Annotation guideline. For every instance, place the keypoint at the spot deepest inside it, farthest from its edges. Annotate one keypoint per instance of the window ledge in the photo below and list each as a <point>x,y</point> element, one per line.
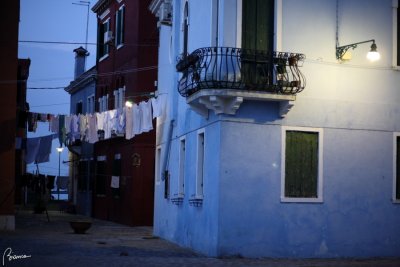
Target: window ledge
<point>120,46</point>
<point>396,201</point>
<point>301,200</point>
<point>103,57</point>
<point>196,201</point>
<point>177,199</point>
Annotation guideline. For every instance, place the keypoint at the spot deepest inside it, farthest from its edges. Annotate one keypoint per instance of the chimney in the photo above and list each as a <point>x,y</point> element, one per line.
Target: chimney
<point>80,61</point>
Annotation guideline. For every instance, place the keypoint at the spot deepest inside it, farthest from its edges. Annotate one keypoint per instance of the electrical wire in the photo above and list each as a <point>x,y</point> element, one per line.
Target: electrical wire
<point>83,43</point>
<point>45,88</point>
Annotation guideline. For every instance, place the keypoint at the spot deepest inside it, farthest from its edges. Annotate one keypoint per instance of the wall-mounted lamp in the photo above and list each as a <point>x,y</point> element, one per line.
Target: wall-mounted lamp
<point>372,55</point>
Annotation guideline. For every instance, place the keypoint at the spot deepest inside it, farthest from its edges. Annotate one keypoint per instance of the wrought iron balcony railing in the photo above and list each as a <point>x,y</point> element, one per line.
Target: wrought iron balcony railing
<point>242,69</point>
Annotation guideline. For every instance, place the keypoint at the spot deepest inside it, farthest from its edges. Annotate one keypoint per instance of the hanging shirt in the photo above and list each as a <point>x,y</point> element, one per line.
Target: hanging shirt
<point>61,129</point>
<point>83,126</point>
<point>92,136</point>
<point>147,119</point>
<point>100,120</point>
<point>74,128</point>
<point>120,121</point>
<point>158,105</point>
<point>129,123</point>
<point>109,123</point>
<point>137,116</point>
<point>54,124</point>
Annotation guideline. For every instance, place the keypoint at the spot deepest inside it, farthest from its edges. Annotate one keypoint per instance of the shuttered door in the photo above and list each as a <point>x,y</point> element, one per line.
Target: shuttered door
<point>301,164</point>
<point>257,34</point>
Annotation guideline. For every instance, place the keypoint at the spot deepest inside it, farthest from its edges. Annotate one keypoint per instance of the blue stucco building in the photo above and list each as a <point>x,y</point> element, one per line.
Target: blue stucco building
<point>81,163</point>
<point>283,155</point>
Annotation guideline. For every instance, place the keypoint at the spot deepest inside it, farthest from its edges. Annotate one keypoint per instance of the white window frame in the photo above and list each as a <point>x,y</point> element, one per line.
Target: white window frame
<point>119,97</point>
<point>117,30</point>
<point>157,170</point>
<point>90,104</point>
<point>277,24</point>
<point>395,153</point>
<point>200,160</point>
<point>182,161</point>
<point>320,132</point>
<point>395,5</point>
<point>103,103</point>
<point>107,48</point>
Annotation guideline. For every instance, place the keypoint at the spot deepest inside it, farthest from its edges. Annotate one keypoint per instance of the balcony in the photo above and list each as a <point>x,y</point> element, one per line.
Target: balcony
<point>221,78</point>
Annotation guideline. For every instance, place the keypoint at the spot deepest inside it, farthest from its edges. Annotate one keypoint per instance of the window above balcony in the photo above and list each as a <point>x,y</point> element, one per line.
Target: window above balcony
<point>221,78</point>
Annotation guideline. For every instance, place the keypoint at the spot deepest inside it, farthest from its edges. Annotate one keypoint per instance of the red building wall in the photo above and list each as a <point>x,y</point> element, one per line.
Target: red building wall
<point>124,66</point>
<point>9,16</point>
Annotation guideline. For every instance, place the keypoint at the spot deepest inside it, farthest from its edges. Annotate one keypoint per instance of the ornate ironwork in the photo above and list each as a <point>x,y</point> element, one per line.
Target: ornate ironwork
<point>242,69</point>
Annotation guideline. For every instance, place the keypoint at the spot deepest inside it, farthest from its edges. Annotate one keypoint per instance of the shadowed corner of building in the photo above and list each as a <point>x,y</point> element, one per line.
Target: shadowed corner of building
<point>7,135</point>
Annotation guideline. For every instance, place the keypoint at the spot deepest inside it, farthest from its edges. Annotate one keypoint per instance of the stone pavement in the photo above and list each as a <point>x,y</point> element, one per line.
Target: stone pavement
<point>109,244</point>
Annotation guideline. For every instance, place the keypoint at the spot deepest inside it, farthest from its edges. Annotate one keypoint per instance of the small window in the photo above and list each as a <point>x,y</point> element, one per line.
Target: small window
<point>301,165</point>
<point>101,175</point>
<point>182,159</point>
<point>79,108</point>
<point>200,164</point>
<point>116,175</point>
<point>119,26</point>
<point>396,166</point>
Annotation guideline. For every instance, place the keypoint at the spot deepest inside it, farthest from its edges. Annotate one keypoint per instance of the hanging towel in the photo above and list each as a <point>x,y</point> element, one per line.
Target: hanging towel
<point>32,148</point>
<point>129,123</point>
<point>136,119</point>
<point>43,154</point>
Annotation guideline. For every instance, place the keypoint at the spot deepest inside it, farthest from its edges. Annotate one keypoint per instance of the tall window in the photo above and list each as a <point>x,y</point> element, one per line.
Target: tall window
<point>101,175</point>
<point>102,45</point>
<point>119,26</point>
<point>103,103</point>
<point>200,164</point>
<point>79,108</point>
<point>182,159</point>
<point>119,96</point>
<point>185,29</point>
<point>301,165</point>
<point>396,166</point>
<point>90,104</point>
<point>258,24</point>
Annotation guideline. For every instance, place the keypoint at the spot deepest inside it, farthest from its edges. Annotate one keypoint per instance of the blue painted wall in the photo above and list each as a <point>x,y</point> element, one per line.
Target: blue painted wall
<point>356,103</point>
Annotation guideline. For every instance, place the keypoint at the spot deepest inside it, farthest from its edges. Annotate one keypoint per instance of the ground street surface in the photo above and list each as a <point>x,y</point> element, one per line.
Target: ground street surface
<point>37,242</point>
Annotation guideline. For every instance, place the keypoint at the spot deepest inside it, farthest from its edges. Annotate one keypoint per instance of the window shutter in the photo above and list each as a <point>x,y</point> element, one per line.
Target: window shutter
<point>301,164</point>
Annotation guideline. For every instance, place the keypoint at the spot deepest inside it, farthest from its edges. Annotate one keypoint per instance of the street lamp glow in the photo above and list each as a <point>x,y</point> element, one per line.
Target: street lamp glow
<point>128,104</point>
<point>60,149</point>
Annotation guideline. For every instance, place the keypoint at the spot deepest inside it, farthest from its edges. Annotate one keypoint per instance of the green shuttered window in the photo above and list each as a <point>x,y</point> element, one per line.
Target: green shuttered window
<point>301,165</point>
<point>301,172</point>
